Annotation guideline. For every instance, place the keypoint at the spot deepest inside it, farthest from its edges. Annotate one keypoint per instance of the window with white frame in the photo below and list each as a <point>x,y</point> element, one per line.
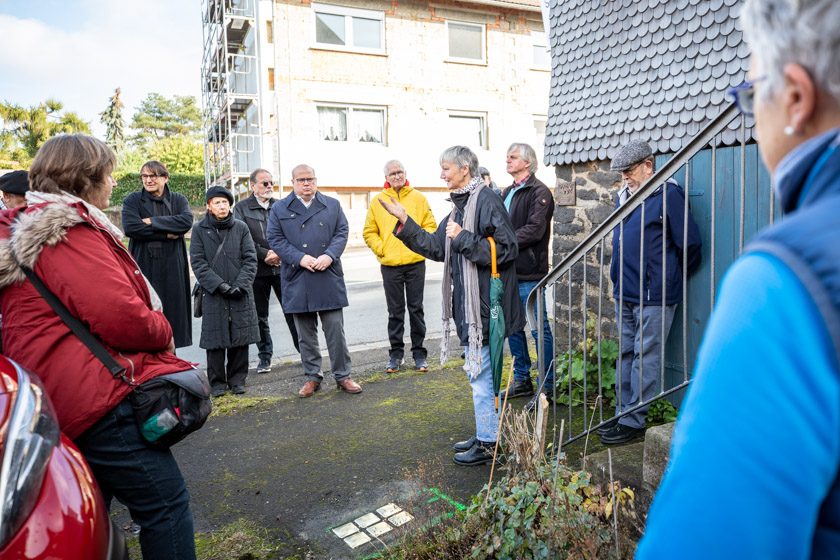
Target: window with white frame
<point>540,122</point>
<point>466,41</point>
<point>342,28</point>
<point>351,123</point>
<point>541,55</point>
<point>468,129</point>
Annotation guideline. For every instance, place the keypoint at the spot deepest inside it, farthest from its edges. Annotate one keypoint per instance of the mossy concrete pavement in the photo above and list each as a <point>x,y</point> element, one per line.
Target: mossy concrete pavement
<point>301,466</point>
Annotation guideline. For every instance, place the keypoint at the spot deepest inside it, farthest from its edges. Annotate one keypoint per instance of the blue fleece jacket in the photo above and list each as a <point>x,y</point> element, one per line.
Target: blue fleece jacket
<point>756,451</point>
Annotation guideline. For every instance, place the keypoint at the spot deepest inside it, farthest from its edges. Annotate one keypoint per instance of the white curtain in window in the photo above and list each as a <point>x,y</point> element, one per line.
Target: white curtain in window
<point>332,123</point>
<point>368,125</point>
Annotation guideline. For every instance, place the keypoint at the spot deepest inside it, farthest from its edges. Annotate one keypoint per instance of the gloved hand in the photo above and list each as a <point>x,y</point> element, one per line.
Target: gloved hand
<point>236,293</point>
<point>225,289</point>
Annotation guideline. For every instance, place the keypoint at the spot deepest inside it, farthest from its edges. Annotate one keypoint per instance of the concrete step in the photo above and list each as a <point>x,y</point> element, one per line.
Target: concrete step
<point>638,465</point>
<point>657,451</point>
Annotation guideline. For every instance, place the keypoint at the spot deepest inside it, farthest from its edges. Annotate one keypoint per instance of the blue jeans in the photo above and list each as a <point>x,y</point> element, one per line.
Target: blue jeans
<point>147,481</point>
<point>484,401</point>
<point>639,365</point>
<point>519,344</point>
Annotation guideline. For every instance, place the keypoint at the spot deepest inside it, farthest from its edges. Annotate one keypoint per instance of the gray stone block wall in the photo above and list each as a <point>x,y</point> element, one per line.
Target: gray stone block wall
<point>595,190</point>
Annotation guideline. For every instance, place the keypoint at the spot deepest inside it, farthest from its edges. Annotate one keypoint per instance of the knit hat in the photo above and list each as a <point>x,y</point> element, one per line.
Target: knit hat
<point>16,182</point>
<point>214,192</point>
<point>635,151</point>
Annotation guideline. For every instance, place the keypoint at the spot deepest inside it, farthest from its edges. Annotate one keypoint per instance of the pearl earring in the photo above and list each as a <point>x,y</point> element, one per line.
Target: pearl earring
<point>788,130</point>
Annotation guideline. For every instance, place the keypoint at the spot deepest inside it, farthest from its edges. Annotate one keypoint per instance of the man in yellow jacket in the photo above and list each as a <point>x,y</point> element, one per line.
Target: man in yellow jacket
<point>403,271</point>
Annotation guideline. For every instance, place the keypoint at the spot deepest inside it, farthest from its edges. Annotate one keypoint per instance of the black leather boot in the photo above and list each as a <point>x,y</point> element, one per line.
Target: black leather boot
<point>518,389</point>
<point>465,445</point>
<point>479,454</point>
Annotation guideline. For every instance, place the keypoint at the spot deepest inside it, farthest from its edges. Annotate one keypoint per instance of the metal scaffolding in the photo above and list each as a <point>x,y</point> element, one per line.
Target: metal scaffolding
<point>230,92</point>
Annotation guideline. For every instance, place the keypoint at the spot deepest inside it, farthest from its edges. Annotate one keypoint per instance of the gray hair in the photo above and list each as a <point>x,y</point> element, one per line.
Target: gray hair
<point>803,32</point>
<point>527,153</point>
<point>462,157</point>
<point>391,162</point>
<point>253,177</point>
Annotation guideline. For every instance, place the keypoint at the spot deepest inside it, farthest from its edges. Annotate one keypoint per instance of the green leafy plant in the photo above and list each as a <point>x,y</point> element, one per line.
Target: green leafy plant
<point>661,412</point>
<point>580,369</point>
<point>559,514</point>
<point>539,510</point>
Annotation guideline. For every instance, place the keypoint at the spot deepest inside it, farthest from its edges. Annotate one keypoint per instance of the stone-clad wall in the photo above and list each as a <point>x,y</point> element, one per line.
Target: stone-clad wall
<point>592,188</point>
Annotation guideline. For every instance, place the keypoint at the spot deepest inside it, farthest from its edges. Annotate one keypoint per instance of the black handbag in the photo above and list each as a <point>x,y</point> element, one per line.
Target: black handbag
<point>168,407</point>
<point>198,299</point>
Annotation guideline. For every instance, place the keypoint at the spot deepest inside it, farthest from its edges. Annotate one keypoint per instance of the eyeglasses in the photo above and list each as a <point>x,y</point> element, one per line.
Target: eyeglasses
<point>396,173</point>
<point>266,183</point>
<point>145,177</point>
<point>303,180</point>
<point>628,172</point>
<point>744,96</point>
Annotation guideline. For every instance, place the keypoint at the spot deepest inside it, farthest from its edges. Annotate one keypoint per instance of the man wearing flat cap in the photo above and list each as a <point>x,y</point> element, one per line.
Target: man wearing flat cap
<point>14,186</point>
<point>224,261</point>
<point>639,286</point>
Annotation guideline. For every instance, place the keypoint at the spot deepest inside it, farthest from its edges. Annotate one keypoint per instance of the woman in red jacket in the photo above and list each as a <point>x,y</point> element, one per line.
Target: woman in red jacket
<point>68,241</point>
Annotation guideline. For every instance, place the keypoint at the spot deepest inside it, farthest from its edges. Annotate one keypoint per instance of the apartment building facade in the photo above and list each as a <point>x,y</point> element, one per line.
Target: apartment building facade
<point>346,85</point>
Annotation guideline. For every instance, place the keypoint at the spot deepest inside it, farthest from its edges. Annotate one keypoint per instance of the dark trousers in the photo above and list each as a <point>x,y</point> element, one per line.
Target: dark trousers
<point>236,370</point>
<point>404,288</point>
<point>332,323</point>
<point>262,295</point>
<point>147,481</point>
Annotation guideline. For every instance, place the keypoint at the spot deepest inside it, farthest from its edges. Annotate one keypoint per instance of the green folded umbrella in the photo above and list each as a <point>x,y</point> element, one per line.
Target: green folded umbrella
<point>497,322</point>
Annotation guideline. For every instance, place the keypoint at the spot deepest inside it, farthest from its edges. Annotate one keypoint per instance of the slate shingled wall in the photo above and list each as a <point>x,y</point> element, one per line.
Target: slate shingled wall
<point>627,68</point>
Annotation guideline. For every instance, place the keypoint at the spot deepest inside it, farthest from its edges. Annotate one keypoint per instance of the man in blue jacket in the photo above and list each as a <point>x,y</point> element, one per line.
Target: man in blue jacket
<point>308,231</point>
<point>645,301</point>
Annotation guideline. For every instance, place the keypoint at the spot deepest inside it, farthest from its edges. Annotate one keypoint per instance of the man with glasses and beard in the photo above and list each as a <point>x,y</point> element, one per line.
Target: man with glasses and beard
<point>254,211</point>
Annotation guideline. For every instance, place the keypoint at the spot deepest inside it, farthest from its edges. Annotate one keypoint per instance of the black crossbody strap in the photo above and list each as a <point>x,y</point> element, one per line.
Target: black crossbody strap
<point>77,327</point>
<point>219,250</point>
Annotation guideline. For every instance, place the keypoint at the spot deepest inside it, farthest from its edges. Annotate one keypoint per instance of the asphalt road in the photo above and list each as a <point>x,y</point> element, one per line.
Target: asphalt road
<point>302,467</point>
<point>365,320</point>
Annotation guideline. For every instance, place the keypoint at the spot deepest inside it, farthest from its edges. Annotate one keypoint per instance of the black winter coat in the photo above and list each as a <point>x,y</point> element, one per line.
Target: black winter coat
<point>492,220</point>
<point>163,260</point>
<point>531,211</point>
<point>226,323</point>
<point>256,218</point>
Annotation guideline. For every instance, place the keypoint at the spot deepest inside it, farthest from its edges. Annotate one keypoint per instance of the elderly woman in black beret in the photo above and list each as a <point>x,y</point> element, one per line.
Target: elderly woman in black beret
<point>224,261</point>
<point>13,186</point>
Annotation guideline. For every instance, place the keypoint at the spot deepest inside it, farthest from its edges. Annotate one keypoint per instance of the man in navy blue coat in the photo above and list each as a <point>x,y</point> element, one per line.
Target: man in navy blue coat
<point>645,301</point>
<point>309,232</point>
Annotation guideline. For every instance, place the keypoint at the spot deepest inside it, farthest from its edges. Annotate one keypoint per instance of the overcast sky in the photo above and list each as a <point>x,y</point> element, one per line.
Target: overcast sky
<point>79,51</point>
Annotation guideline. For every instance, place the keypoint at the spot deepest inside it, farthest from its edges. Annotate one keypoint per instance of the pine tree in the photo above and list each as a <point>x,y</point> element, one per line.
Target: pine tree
<point>24,129</point>
<point>114,123</point>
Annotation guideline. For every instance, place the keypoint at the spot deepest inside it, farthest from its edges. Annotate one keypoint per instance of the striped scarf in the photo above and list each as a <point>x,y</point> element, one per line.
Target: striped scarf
<point>472,298</point>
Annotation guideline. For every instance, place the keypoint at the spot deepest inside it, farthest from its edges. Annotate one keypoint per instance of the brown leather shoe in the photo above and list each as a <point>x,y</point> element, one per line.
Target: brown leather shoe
<point>309,388</point>
<point>349,386</point>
